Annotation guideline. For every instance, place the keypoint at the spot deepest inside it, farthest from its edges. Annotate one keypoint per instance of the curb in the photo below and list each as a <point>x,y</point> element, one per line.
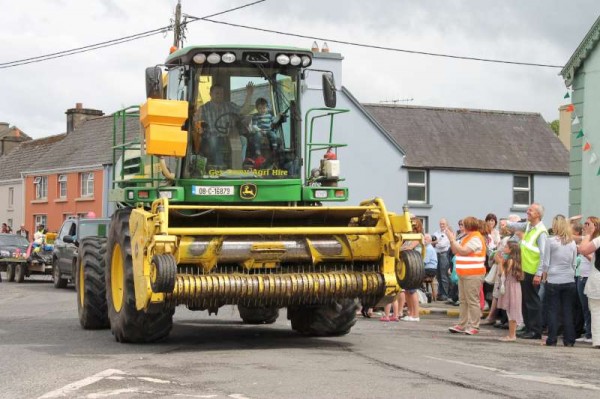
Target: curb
<point>442,311</point>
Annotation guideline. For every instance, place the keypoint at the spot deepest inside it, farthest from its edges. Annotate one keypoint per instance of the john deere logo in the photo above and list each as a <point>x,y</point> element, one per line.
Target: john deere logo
<point>248,191</point>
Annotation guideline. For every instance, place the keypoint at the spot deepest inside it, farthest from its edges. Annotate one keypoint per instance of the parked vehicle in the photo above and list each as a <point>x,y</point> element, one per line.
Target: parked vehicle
<point>27,258</point>
<point>64,255</point>
<point>13,254</point>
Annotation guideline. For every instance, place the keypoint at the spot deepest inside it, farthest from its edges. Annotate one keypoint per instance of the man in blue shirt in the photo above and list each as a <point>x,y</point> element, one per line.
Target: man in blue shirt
<point>442,246</point>
<point>430,260</point>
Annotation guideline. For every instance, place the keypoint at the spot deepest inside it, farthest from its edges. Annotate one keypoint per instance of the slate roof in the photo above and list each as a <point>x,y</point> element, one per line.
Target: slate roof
<point>468,139</point>
<point>7,131</point>
<point>88,145</point>
<point>584,49</point>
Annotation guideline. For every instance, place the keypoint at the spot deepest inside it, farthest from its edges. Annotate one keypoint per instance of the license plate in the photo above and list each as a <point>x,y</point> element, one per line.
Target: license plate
<point>212,190</point>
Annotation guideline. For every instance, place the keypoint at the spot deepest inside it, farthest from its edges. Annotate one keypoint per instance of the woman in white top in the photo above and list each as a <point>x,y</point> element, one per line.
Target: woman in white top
<point>591,228</point>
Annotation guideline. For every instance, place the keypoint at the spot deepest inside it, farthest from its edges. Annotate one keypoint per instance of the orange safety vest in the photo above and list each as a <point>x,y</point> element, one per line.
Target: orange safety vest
<point>473,264</point>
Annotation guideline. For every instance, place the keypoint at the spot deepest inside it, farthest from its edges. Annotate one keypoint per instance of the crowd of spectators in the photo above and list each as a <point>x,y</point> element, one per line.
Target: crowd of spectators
<point>537,283</point>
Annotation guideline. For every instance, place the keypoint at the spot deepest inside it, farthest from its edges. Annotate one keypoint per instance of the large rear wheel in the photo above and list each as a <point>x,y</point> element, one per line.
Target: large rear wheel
<point>90,284</point>
<point>333,319</point>
<point>258,315</point>
<point>10,273</point>
<point>126,322</point>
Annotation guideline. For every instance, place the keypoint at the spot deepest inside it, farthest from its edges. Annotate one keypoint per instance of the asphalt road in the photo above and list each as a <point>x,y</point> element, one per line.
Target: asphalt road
<point>45,354</point>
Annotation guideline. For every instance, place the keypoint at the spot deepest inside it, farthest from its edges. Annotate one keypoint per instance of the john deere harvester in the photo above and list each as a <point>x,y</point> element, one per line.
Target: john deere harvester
<point>222,201</point>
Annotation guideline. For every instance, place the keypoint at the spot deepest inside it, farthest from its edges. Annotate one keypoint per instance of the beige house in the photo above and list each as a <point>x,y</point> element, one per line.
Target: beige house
<point>11,190</point>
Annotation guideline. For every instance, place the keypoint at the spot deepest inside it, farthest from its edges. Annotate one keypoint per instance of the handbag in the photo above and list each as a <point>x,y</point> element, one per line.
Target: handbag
<point>502,285</point>
<point>453,275</point>
<point>490,277</point>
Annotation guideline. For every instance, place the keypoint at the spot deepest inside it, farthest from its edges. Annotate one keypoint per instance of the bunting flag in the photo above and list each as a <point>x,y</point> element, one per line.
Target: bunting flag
<point>570,108</point>
<point>579,134</point>
<point>567,95</point>
<point>593,158</point>
<point>598,173</point>
<point>587,146</point>
<point>576,120</point>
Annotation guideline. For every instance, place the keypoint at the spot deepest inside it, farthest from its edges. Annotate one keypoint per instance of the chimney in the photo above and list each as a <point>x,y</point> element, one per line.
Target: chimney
<point>78,116</point>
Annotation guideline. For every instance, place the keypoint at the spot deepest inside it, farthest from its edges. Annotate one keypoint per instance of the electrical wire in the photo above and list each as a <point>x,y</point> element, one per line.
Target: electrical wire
<point>379,47</point>
<point>112,42</point>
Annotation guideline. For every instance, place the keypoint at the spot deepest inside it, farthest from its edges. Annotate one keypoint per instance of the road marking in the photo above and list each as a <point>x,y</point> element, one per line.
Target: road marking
<point>154,380</point>
<point>238,396</point>
<point>545,379</point>
<point>70,388</point>
<point>116,392</point>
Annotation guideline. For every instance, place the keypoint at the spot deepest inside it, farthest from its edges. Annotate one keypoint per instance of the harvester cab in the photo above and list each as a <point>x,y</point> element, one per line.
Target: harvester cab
<point>221,201</point>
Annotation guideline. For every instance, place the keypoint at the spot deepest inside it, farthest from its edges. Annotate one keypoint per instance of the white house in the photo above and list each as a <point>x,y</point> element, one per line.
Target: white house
<point>443,162</point>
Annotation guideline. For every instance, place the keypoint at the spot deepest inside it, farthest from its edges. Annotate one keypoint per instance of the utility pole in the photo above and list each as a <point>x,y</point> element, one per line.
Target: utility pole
<point>178,27</point>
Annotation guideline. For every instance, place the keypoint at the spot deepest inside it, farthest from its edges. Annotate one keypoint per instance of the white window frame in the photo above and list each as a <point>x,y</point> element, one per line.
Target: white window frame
<point>41,187</point>
<point>86,183</point>
<point>528,189</point>
<point>418,184</point>
<point>11,197</point>
<point>62,186</point>
<point>40,219</point>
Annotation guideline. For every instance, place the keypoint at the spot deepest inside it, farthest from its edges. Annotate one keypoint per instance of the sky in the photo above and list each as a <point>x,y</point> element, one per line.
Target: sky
<point>35,96</point>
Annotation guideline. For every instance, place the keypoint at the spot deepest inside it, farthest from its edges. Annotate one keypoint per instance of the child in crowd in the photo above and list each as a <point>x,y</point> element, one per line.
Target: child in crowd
<point>262,125</point>
<point>510,296</point>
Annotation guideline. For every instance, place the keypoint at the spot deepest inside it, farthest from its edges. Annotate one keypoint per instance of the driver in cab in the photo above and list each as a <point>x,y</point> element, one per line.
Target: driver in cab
<point>215,118</point>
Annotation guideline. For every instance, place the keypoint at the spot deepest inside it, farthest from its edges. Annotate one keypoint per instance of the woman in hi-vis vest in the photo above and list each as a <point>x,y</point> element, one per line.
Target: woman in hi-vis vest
<point>470,268</point>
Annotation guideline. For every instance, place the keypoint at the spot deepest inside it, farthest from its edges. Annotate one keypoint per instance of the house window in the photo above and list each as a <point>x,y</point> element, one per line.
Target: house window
<point>87,184</point>
<point>41,187</point>
<point>417,186</point>
<point>11,197</point>
<point>522,191</point>
<point>424,221</point>
<point>40,220</point>
<point>62,186</point>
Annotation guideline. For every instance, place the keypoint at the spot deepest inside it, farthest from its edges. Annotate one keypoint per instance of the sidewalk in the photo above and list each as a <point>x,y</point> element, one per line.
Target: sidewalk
<point>441,308</point>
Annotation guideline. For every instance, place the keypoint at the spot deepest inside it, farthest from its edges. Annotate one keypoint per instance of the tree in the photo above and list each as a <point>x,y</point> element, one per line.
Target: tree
<point>554,126</point>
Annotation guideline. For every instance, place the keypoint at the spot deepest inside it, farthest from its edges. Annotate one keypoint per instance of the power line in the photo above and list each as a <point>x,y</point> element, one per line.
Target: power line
<point>379,47</point>
<point>112,42</point>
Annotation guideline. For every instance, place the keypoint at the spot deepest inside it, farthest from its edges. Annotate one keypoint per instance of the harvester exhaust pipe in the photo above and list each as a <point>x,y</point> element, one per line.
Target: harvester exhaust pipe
<point>203,291</point>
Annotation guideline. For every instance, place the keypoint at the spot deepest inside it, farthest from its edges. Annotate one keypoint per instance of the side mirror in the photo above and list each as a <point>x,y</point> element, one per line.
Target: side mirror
<point>329,92</point>
<point>154,84</point>
<point>68,239</point>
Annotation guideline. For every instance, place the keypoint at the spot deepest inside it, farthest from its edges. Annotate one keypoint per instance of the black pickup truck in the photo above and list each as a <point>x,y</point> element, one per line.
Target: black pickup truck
<point>64,257</point>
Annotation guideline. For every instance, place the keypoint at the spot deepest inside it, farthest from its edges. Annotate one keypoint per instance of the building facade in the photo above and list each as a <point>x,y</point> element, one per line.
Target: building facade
<point>443,162</point>
<point>582,76</point>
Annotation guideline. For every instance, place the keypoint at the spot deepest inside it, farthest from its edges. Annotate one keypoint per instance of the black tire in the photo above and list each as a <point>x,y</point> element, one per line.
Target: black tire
<point>334,319</point>
<point>20,272</point>
<point>166,270</point>
<point>57,279</point>
<point>414,270</point>
<point>258,315</point>
<point>90,284</point>
<point>10,273</point>
<point>126,322</point>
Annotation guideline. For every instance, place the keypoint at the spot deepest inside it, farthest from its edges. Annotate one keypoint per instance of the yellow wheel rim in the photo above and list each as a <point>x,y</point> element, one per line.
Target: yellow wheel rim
<point>81,284</point>
<point>116,278</point>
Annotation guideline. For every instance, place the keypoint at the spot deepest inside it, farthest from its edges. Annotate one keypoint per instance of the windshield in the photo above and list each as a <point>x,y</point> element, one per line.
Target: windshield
<point>243,123</point>
<point>13,241</point>
<point>92,229</point>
